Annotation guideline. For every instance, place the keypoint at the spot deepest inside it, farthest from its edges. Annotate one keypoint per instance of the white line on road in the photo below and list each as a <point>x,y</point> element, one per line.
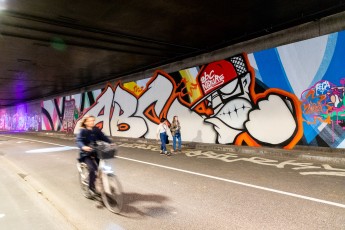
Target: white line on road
<point>52,149</point>
<point>34,140</point>
<point>216,178</point>
<point>239,183</point>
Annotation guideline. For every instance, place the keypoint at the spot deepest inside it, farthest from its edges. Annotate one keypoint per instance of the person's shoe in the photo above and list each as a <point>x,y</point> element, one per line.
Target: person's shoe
<point>167,154</point>
<point>180,151</point>
<point>93,192</point>
<point>161,152</point>
<point>173,151</point>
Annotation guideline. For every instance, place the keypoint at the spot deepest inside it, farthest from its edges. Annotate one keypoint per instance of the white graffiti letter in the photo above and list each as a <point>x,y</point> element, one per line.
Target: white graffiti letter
<point>101,110</point>
<point>123,121</point>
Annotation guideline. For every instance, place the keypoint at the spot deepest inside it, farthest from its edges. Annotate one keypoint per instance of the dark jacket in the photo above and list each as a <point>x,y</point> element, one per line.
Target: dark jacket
<point>87,137</point>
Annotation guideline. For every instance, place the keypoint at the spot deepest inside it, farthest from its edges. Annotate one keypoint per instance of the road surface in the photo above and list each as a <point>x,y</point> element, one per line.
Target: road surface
<point>191,190</point>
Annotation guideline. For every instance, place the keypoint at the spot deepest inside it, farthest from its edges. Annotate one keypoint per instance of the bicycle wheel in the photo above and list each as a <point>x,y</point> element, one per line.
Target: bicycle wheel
<point>112,197</point>
<point>84,181</point>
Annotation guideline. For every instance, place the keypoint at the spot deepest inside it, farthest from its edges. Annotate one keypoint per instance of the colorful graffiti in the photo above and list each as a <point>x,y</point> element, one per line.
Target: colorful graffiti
<point>21,118</point>
<point>284,96</point>
<point>228,110</point>
<point>324,107</point>
<point>60,114</point>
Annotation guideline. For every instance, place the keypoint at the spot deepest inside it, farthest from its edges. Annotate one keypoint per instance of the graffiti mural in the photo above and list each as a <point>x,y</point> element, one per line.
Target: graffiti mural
<point>25,117</point>
<point>237,113</point>
<point>284,96</point>
<point>119,112</point>
<point>57,113</point>
<point>227,111</point>
<point>324,106</point>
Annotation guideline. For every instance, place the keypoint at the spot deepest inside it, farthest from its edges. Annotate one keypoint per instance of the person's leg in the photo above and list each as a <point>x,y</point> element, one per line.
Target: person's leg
<point>160,137</point>
<point>179,141</point>
<point>174,142</point>
<point>165,144</point>
<point>91,164</point>
<point>163,139</point>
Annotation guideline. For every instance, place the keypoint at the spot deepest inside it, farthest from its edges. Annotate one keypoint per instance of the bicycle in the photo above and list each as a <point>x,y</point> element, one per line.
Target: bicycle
<point>107,184</point>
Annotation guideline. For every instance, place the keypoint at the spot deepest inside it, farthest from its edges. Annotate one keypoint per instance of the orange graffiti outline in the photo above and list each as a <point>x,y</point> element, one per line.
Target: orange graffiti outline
<point>245,137</point>
<point>123,127</point>
<point>296,104</point>
<point>241,138</point>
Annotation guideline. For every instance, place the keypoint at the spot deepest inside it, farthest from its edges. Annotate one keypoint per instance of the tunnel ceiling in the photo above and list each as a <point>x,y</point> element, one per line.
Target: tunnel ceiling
<point>50,47</point>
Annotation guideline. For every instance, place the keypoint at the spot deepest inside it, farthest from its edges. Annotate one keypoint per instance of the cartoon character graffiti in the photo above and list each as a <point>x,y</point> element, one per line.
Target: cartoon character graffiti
<point>240,115</point>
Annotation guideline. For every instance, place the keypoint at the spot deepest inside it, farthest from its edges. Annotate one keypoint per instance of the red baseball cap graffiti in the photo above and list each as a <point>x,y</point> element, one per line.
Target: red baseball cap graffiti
<point>219,73</point>
<point>215,75</point>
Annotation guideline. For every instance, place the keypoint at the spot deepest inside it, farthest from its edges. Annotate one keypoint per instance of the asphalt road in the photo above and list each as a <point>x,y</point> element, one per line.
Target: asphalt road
<point>190,190</point>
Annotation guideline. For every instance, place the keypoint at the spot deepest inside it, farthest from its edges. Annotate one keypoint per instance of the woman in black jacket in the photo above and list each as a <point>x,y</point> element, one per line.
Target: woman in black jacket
<point>87,136</point>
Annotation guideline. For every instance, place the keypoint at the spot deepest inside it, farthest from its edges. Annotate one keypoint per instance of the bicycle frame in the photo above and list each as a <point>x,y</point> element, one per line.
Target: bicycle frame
<point>106,183</point>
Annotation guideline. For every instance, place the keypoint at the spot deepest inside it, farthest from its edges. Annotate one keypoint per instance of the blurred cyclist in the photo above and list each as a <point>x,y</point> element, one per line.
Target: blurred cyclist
<point>88,135</point>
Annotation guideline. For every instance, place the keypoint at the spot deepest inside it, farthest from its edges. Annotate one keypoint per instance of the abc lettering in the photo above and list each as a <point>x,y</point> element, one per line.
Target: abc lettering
<point>211,80</point>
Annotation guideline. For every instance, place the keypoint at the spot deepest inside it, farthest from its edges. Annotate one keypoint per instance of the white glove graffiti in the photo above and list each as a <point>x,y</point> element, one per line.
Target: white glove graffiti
<point>273,121</point>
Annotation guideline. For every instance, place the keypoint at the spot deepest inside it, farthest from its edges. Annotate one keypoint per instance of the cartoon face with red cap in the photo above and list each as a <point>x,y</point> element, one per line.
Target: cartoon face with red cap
<point>227,103</point>
<point>225,88</point>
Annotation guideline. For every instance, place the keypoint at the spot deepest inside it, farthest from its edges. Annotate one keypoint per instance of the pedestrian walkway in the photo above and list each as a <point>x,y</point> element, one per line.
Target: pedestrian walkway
<point>319,154</point>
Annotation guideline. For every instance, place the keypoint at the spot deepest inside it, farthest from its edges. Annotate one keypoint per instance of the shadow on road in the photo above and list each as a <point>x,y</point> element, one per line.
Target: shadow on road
<point>144,205</point>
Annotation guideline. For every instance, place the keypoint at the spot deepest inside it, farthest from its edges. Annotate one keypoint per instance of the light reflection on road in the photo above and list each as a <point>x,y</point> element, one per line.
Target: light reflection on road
<point>54,149</point>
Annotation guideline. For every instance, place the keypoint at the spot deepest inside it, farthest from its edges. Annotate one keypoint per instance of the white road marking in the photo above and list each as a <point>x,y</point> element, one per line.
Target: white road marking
<point>62,148</point>
<point>35,141</point>
<point>19,142</point>
<point>54,149</point>
<point>214,177</point>
<point>239,183</point>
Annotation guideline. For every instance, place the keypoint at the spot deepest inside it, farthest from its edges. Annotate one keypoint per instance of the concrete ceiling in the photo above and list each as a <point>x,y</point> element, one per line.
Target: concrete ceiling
<point>50,47</point>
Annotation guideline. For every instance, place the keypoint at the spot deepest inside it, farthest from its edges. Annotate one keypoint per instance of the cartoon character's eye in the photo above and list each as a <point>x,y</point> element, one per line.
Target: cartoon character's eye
<point>245,83</point>
<point>230,88</point>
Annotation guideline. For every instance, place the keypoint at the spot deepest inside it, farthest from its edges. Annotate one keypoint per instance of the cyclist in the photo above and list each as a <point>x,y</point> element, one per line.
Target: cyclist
<point>88,135</point>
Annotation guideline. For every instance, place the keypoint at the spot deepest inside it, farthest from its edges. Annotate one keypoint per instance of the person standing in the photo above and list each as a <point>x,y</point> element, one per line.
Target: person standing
<point>175,129</point>
<point>162,134</point>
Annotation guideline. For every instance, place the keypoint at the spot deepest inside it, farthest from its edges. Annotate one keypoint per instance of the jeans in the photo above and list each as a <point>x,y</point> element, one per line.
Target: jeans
<point>178,136</point>
<point>92,164</point>
<point>163,140</point>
